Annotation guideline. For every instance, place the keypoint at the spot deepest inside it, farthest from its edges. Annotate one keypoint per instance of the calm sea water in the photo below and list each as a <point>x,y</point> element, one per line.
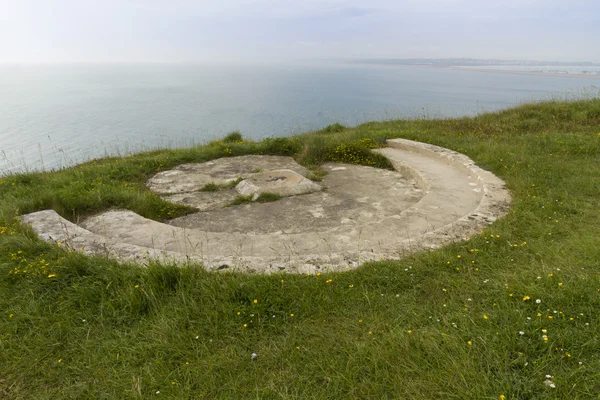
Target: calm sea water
<point>56,116</point>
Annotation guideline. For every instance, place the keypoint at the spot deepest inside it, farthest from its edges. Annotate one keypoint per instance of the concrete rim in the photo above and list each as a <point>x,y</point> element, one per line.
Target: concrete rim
<point>489,197</point>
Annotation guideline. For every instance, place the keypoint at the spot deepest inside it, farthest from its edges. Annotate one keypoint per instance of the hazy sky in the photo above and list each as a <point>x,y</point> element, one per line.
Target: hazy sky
<point>267,30</point>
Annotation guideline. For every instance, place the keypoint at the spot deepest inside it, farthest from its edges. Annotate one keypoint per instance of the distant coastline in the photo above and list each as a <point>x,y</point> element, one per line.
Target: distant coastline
<point>522,72</point>
<point>541,68</point>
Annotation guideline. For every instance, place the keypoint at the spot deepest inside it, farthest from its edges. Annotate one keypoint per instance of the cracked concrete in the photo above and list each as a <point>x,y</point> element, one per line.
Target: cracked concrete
<point>434,196</point>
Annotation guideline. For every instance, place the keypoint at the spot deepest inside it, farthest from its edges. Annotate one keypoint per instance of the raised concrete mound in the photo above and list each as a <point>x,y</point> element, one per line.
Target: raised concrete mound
<point>433,197</point>
<point>283,182</point>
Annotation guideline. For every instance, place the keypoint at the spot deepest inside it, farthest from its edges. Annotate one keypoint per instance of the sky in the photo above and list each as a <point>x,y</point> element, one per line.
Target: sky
<point>184,31</point>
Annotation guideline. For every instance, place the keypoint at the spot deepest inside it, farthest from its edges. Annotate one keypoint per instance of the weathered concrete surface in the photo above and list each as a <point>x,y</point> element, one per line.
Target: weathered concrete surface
<point>283,182</point>
<point>435,196</point>
<point>192,177</point>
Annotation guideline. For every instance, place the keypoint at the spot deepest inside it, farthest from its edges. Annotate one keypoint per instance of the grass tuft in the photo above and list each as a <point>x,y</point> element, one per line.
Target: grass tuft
<point>239,200</point>
<point>266,197</point>
<point>233,137</point>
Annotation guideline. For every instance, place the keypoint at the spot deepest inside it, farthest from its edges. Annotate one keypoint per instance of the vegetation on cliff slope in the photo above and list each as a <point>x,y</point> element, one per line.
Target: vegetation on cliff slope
<point>510,314</point>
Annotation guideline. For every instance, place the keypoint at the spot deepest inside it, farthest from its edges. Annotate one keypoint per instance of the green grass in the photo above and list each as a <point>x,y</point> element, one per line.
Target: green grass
<point>214,187</point>
<point>267,197</point>
<point>239,200</point>
<point>442,324</point>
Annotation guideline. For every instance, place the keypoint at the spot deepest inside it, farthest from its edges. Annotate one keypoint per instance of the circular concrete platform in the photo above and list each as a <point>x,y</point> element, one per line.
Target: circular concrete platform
<point>434,196</point>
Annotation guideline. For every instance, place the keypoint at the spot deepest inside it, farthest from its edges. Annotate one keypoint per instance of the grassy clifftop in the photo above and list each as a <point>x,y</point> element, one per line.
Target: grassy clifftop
<point>485,318</point>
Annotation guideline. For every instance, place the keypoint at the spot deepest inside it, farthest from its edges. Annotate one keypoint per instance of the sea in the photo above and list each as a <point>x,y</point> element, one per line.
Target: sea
<point>55,116</point>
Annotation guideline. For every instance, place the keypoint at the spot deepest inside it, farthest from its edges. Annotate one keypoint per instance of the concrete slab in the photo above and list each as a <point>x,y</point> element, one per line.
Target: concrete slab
<point>435,196</point>
<point>283,182</point>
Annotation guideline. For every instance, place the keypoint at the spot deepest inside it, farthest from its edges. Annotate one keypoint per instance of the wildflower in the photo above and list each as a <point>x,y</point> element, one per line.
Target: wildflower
<point>485,316</point>
<point>370,333</point>
<point>255,301</point>
<point>521,333</point>
<point>538,301</point>
<point>470,343</point>
<point>328,281</point>
<point>409,331</point>
<point>291,315</point>
<point>245,325</point>
<point>238,313</point>
<point>253,356</point>
<point>11,315</point>
<point>350,286</point>
<point>526,298</point>
<point>60,360</point>
<point>539,314</point>
<point>502,397</point>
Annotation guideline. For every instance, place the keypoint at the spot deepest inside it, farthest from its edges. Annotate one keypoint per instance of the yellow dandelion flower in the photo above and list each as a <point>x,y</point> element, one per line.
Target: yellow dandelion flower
<point>409,331</point>
<point>370,333</point>
<point>526,298</point>
<point>245,325</point>
<point>485,316</point>
<point>255,301</point>
<point>291,315</point>
<point>470,343</point>
<point>539,314</point>
<point>502,397</point>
